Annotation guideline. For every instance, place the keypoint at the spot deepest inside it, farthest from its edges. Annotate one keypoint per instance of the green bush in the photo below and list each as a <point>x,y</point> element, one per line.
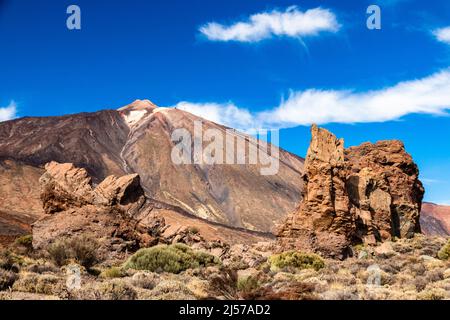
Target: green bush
<point>193,230</point>
<point>10,261</point>
<point>82,249</point>
<point>114,272</point>
<point>296,260</point>
<point>247,284</point>
<point>444,253</point>
<point>25,242</point>
<point>173,258</point>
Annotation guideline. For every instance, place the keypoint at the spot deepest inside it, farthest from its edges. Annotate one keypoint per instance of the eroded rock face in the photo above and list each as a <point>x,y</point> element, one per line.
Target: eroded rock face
<point>116,213</point>
<point>108,212</point>
<point>363,194</point>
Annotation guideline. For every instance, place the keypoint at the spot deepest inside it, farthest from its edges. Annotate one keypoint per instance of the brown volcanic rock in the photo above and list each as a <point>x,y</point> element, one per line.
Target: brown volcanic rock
<point>75,206</point>
<point>435,219</point>
<point>390,190</point>
<point>19,193</point>
<point>118,214</point>
<point>364,194</point>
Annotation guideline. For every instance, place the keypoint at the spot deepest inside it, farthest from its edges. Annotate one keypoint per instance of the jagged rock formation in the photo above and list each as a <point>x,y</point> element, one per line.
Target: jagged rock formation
<point>116,213</point>
<point>136,139</point>
<point>364,194</point>
<point>108,212</point>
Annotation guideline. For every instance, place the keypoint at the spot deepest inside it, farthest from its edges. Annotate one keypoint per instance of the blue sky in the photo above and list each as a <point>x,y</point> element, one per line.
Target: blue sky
<point>286,67</point>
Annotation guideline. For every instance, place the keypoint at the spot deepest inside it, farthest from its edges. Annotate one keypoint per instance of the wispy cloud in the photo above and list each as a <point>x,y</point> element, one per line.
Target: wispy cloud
<point>430,95</point>
<point>289,23</point>
<point>8,112</point>
<point>430,182</point>
<point>442,34</point>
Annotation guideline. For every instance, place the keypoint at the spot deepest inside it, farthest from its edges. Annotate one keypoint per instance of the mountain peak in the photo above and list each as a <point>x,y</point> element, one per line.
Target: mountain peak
<point>137,110</point>
<point>138,105</point>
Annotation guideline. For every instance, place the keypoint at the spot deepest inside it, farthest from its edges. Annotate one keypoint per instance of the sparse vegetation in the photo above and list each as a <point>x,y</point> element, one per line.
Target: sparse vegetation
<point>10,261</point>
<point>296,260</point>
<point>42,284</point>
<point>247,284</point>
<point>193,230</point>
<point>25,242</point>
<point>59,252</point>
<point>169,258</point>
<point>444,253</point>
<point>82,249</point>
<point>179,272</point>
<point>113,272</point>
<point>7,279</point>
<point>116,290</point>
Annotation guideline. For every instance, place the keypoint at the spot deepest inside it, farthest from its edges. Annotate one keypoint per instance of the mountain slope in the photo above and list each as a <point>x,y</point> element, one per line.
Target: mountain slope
<point>137,139</point>
<point>435,219</point>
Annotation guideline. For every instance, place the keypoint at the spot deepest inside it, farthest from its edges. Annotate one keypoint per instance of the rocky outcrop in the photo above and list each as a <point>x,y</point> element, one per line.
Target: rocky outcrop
<point>108,212</point>
<point>362,194</point>
<point>118,214</point>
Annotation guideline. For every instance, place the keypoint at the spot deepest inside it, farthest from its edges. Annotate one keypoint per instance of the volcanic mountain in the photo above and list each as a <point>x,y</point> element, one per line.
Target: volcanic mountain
<point>435,219</point>
<point>226,200</point>
<point>137,139</point>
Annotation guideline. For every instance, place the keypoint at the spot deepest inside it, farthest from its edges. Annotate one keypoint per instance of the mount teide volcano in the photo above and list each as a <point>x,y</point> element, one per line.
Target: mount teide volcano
<point>137,139</point>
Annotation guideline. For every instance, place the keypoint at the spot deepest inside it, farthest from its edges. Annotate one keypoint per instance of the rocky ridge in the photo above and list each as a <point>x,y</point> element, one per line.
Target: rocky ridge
<point>117,213</point>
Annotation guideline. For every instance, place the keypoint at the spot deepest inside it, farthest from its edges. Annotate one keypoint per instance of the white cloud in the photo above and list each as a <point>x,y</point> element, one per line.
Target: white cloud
<point>442,34</point>
<point>430,95</point>
<point>289,23</point>
<point>9,112</point>
<point>223,113</point>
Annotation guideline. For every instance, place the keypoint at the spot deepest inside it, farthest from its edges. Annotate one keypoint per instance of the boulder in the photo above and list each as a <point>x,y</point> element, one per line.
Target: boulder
<point>108,212</point>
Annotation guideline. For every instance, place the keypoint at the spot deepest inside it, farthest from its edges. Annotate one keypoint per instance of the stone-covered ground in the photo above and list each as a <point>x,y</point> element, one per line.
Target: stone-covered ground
<point>418,268</point>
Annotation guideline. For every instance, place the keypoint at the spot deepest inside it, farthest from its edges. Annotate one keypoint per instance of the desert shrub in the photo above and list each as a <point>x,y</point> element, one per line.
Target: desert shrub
<point>116,290</point>
<point>173,258</point>
<point>25,242</point>
<point>113,272</point>
<point>289,291</point>
<point>10,261</point>
<point>41,284</point>
<point>172,290</point>
<point>434,275</point>
<point>433,294</point>
<point>420,283</point>
<point>223,283</point>
<point>144,280</point>
<point>193,230</point>
<point>7,279</point>
<point>247,284</point>
<point>296,260</point>
<point>82,249</point>
<point>41,268</point>
<point>59,252</point>
<point>444,253</point>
